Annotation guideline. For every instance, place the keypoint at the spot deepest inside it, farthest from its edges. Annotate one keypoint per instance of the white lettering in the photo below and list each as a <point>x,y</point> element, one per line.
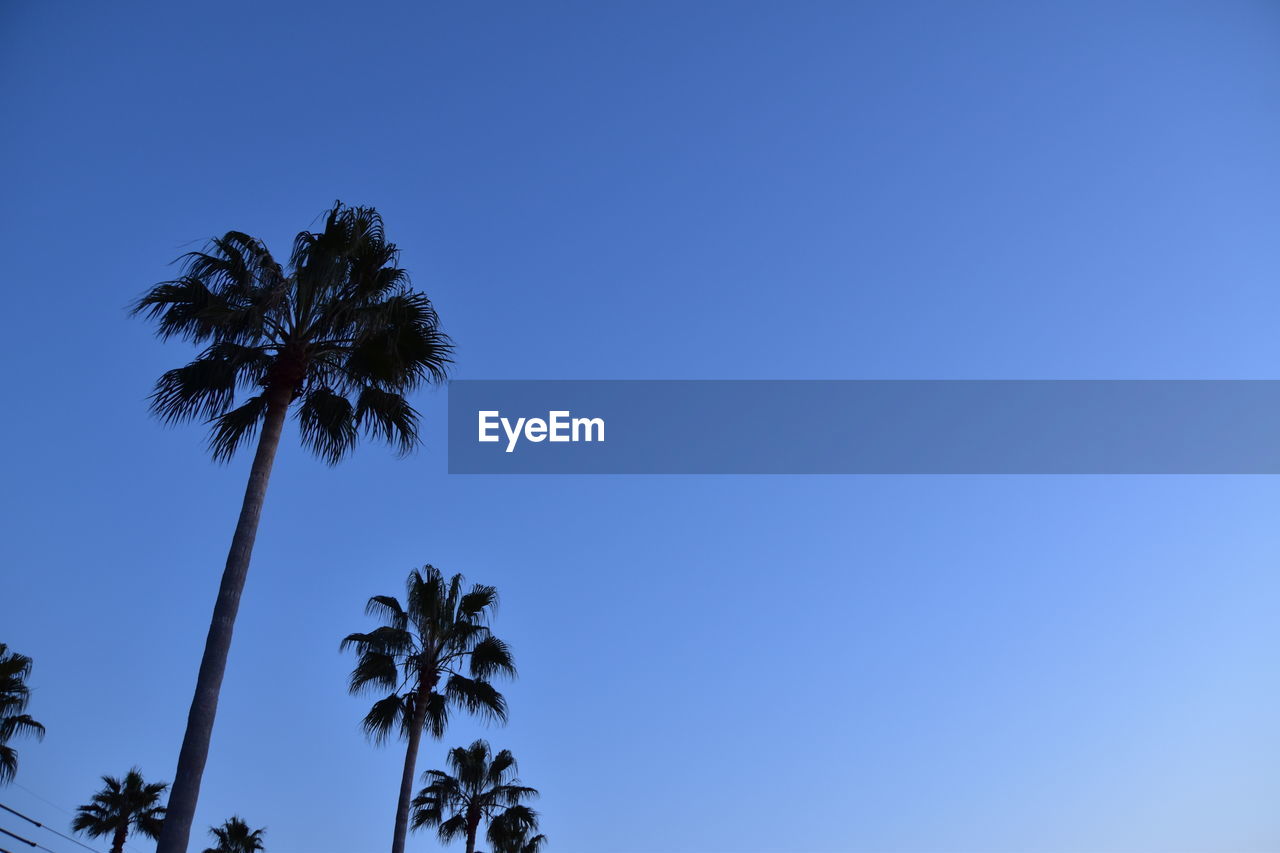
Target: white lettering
<point>513,435</point>
<point>558,427</point>
<point>559,424</point>
<point>487,424</point>
<point>587,424</point>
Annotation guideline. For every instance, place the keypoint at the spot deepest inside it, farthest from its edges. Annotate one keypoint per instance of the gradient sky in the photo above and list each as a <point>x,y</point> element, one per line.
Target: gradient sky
<point>1084,189</point>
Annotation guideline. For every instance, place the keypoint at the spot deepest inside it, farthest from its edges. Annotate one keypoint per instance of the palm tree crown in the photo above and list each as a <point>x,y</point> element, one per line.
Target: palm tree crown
<point>121,806</point>
<point>512,831</point>
<point>438,634</point>
<point>482,787</point>
<point>340,331</point>
<point>433,653</point>
<point>14,696</point>
<point>234,836</point>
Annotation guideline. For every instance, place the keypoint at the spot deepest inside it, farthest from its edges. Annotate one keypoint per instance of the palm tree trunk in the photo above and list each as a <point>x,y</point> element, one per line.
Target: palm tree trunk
<point>118,837</point>
<point>181,811</point>
<point>406,778</point>
<point>473,823</point>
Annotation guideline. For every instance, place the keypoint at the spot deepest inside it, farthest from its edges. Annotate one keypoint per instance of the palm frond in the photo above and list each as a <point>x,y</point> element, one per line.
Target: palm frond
<point>436,720</point>
<point>492,657</point>
<point>386,639</point>
<point>374,671</point>
<point>386,715</point>
<point>233,428</point>
<point>398,344</point>
<point>150,823</point>
<point>328,423</point>
<point>387,416</point>
<point>479,599</point>
<point>13,666</point>
<point>476,697</point>
<point>20,725</point>
<point>226,292</point>
<point>186,308</point>
<point>204,389</point>
<point>501,768</point>
<point>452,829</point>
<point>8,764</point>
<point>388,607</point>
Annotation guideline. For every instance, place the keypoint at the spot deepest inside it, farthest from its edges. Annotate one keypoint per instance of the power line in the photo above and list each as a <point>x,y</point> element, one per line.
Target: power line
<point>51,803</point>
<point>26,840</point>
<point>48,828</point>
<point>19,837</point>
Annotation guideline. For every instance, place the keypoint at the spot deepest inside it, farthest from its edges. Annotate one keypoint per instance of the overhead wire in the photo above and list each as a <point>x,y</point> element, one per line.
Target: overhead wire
<point>48,828</point>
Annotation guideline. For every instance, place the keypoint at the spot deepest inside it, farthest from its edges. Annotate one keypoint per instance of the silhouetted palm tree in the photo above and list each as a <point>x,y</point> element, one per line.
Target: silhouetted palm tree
<point>512,832</point>
<point>234,836</point>
<point>340,334</point>
<point>14,696</point>
<point>434,652</point>
<point>481,787</point>
<point>121,806</point>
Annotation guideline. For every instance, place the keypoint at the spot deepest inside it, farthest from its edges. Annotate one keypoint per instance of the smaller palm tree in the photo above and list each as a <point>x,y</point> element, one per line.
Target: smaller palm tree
<point>433,654</point>
<point>481,787</point>
<point>123,805</point>
<point>513,830</point>
<point>234,836</point>
<point>14,696</point>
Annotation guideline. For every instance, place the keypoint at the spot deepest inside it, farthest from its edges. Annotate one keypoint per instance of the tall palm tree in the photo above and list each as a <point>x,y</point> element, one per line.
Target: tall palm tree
<point>433,653</point>
<point>120,806</point>
<point>234,836</point>
<point>14,696</point>
<point>478,790</point>
<point>339,336</point>
<point>512,832</point>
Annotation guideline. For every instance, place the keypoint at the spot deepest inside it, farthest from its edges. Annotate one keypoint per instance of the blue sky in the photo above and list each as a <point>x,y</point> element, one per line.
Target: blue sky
<point>669,190</point>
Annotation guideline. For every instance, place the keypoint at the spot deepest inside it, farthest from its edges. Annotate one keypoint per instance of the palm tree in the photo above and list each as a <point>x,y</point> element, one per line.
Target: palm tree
<point>435,652</point>
<point>339,336</point>
<point>509,832</point>
<point>121,806</point>
<point>14,696</point>
<point>234,836</point>
<point>479,787</point>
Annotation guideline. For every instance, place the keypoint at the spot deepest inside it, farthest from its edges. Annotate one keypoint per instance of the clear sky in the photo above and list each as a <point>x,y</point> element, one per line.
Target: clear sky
<point>1085,189</point>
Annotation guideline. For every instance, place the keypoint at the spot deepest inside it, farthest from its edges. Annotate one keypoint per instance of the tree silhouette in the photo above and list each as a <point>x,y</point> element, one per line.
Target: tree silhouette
<point>481,787</point>
<point>234,836</point>
<point>433,653</point>
<point>122,805</point>
<point>14,696</point>
<point>512,831</point>
<point>339,337</point>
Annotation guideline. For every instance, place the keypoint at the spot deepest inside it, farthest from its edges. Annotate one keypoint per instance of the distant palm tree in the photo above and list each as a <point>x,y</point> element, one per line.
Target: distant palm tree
<point>481,787</point>
<point>435,652</point>
<point>511,832</point>
<point>234,836</point>
<point>339,333</point>
<point>121,806</point>
<point>14,696</point>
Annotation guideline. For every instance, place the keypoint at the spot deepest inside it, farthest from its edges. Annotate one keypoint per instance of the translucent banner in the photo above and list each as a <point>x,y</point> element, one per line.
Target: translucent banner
<point>864,427</point>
